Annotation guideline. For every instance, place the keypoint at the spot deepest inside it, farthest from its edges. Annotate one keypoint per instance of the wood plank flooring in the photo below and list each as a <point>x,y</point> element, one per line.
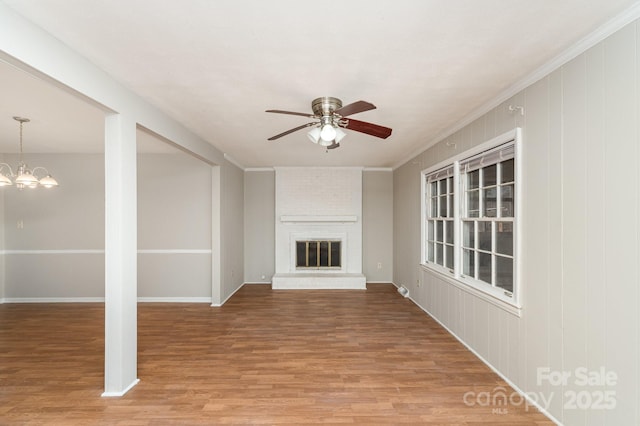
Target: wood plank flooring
<point>266,357</point>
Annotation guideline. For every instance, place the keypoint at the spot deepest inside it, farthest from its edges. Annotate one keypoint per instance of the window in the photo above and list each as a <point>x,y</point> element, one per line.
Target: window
<point>440,208</point>
<point>470,217</point>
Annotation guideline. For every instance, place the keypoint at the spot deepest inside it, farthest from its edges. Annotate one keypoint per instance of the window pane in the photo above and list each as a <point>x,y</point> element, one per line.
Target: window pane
<point>507,171</point>
<point>484,267</point>
<point>450,183</point>
<point>468,262</point>
<point>473,204</point>
<point>506,199</point>
<point>450,206</point>
<point>504,273</point>
<point>449,256</point>
<point>443,205</point>
<point>434,207</point>
<point>489,202</point>
<point>484,236</point>
<point>439,254</point>
<point>468,237</point>
<point>443,186</point>
<point>439,230</point>
<point>430,252</point>
<point>489,176</point>
<point>449,231</point>
<point>313,254</point>
<point>434,189</point>
<point>504,238</point>
<point>473,179</point>
<point>430,230</point>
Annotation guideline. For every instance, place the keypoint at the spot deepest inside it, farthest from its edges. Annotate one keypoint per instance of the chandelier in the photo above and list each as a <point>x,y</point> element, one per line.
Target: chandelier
<point>23,176</point>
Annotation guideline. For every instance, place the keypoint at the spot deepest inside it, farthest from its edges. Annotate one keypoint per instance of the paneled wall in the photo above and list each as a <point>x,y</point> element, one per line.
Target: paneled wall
<point>580,239</point>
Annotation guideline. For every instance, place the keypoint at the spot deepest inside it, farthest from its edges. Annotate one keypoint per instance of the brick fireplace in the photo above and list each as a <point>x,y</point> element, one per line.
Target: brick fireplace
<point>320,207</point>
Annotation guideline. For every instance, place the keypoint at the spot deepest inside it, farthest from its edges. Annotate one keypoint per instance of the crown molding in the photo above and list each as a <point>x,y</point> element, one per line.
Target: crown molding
<point>581,46</point>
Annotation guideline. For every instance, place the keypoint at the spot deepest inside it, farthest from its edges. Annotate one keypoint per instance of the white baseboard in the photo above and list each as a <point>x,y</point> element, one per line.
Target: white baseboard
<point>174,299</point>
<point>101,300</point>
<point>120,393</point>
<point>257,282</point>
<point>54,300</point>
<point>216,305</point>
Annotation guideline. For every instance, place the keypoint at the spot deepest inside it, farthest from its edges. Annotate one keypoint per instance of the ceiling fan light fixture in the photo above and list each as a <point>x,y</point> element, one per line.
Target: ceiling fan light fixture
<point>314,134</point>
<point>328,133</point>
<point>339,135</point>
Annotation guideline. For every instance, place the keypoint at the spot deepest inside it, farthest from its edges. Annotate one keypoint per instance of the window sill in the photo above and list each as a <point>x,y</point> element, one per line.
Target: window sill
<point>469,288</point>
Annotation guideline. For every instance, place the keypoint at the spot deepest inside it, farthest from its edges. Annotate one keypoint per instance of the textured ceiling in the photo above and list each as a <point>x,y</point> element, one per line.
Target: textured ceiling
<point>216,66</point>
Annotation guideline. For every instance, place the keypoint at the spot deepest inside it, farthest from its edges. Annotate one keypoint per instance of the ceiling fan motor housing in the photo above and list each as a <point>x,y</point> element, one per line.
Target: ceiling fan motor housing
<point>325,106</point>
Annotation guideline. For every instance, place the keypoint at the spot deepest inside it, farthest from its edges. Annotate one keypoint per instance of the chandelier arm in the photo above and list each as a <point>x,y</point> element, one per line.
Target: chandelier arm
<point>33,172</point>
<point>8,167</point>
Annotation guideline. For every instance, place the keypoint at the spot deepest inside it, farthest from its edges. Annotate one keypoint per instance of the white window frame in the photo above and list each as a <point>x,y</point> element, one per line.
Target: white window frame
<point>511,301</point>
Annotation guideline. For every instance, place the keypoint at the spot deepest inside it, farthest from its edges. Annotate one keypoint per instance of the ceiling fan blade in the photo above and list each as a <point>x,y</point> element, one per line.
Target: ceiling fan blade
<point>295,129</point>
<point>334,145</point>
<point>368,128</point>
<point>303,114</point>
<point>354,108</point>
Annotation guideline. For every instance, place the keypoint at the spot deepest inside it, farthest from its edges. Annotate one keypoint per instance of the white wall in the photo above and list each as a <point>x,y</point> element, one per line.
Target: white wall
<point>580,237</point>
<point>259,225</point>
<point>377,225</point>
<point>232,230</point>
<point>59,252</point>
<point>174,227</point>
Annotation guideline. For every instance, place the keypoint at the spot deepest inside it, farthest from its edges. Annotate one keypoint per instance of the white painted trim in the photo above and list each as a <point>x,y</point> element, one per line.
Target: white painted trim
<point>70,251</point>
<point>488,364</point>
<point>121,393</point>
<point>215,305</point>
<point>380,282</point>
<point>256,282</point>
<point>97,251</point>
<point>581,46</point>
<point>101,299</point>
<point>175,251</point>
<point>54,300</point>
<point>233,161</point>
<point>290,218</point>
<point>377,169</point>
<point>259,169</point>
<point>174,299</point>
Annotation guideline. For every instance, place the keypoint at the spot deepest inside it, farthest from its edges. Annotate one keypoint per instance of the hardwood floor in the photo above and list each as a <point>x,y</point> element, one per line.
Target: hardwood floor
<point>266,357</point>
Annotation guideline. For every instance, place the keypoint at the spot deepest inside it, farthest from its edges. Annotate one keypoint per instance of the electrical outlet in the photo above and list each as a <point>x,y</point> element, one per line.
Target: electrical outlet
<point>20,224</point>
<point>379,265</point>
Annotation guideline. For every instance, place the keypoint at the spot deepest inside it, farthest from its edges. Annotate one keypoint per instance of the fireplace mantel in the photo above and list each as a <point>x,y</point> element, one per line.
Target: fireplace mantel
<point>320,219</point>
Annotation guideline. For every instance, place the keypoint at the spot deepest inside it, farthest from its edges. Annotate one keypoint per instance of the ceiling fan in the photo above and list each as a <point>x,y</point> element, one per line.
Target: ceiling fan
<point>331,119</point>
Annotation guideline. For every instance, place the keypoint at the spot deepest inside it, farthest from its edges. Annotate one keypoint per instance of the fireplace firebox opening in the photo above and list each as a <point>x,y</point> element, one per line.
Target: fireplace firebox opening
<point>318,254</point>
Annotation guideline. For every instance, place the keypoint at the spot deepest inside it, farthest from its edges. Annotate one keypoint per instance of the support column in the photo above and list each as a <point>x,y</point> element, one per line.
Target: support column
<point>121,327</point>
